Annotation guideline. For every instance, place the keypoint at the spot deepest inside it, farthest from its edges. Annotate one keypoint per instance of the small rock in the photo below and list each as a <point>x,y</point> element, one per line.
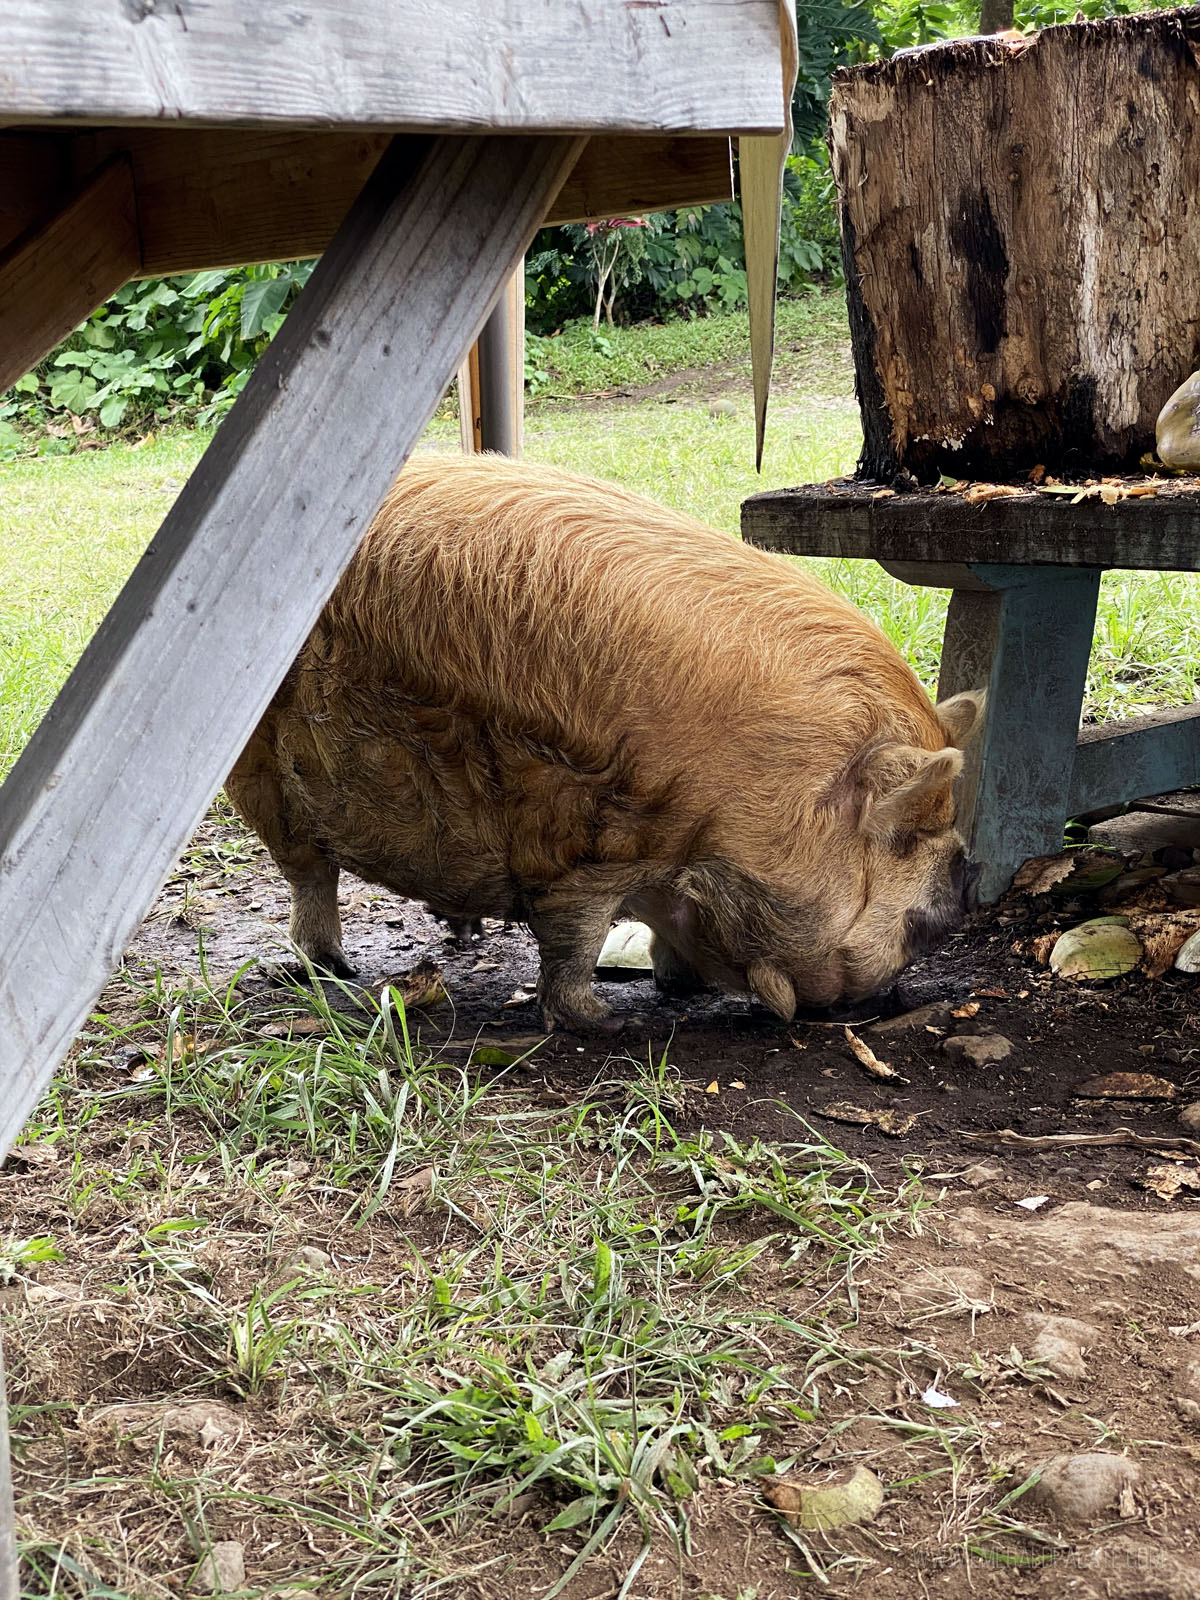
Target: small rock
<point>980,1049</point>
<point>979,1174</point>
<point>1184,887</point>
<point>935,1015</point>
<point>1079,1487</point>
<point>722,408</point>
<point>223,1569</point>
<point>309,1259</point>
<point>207,1421</point>
<point>1060,1342</point>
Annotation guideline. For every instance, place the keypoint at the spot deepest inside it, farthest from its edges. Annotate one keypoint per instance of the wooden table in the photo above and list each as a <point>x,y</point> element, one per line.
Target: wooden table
<point>419,147</point>
<point>1025,574</point>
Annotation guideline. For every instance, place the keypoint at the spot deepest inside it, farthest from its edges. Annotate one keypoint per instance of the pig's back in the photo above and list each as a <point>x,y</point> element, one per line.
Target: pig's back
<point>578,613</point>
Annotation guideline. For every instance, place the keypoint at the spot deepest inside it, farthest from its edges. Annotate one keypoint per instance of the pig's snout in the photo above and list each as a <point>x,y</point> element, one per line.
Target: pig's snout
<point>925,927</point>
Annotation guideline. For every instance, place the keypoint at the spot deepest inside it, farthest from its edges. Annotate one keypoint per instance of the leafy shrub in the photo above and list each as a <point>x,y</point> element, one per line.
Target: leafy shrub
<point>163,348</point>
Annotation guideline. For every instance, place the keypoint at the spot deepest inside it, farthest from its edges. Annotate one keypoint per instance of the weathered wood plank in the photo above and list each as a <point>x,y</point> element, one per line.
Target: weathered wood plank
<point>553,66</point>
<point>1140,755</point>
<point>219,197</point>
<point>9,1588</point>
<point>1161,533</point>
<point>51,278</point>
<point>122,767</point>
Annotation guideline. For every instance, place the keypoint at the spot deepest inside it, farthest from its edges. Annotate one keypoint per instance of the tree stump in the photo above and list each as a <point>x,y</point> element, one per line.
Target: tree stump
<point>1021,238</point>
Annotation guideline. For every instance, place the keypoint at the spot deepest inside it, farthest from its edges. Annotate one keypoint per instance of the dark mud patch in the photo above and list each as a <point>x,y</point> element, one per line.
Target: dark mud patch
<point>742,1069</point>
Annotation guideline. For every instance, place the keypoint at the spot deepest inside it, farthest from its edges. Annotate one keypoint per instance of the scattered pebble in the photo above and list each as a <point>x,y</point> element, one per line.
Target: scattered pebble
<point>980,1173</point>
<point>1060,1343</point>
<point>309,1259</point>
<point>980,1049</point>
<point>1079,1487</point>
<point>1190,1116</point>
<point>936,1015</point>
<point>223,1569</point>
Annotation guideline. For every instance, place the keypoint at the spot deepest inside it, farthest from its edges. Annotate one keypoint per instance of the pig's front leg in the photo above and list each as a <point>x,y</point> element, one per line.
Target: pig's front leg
<point>316,926</point>
<point>570,936</point>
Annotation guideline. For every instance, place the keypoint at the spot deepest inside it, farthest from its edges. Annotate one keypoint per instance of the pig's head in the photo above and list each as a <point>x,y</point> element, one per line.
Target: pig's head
<point>875,878</point>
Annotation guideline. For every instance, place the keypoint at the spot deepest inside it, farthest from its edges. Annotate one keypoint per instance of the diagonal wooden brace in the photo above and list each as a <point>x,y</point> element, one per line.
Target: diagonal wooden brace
<point>56,274</point>
<point>121,770</point>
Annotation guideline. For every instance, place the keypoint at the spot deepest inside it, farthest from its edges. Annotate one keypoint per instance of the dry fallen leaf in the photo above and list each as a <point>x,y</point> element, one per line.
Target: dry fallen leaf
<point>713,1088</point>
<point>1167,1180</point>
<point>993,994</point>
<point>817,1507</point>
<point>420,988</point>
<point>1040,873</point>
<point>867,1056</point>
<point>294,1027</point>
<point>1126,1086</point>
<point>979,493</point>
<point>888,1120</point>
<point>971,1009</point>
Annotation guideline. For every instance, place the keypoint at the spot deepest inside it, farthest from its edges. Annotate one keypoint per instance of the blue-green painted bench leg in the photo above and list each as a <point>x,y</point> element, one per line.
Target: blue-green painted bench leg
<point>1024,634</point>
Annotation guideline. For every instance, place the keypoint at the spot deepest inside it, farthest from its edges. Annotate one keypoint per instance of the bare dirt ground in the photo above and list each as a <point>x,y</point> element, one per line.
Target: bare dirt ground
<point>1039,1303</point>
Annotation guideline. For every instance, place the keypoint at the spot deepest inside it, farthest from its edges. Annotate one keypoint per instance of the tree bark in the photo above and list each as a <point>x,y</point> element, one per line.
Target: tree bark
<point>995,16</point>
<point>1022,245</point>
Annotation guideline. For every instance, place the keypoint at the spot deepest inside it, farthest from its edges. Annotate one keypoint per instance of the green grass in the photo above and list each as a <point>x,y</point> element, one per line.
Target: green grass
<point>532,1305</point>
<point>578,361</point>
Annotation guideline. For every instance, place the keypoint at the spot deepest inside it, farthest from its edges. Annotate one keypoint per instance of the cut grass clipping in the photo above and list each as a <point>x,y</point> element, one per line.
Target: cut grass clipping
<point>521,1320</point>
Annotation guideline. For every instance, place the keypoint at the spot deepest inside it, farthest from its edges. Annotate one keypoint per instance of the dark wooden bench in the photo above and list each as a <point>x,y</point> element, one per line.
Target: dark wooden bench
<point>1025,574</point>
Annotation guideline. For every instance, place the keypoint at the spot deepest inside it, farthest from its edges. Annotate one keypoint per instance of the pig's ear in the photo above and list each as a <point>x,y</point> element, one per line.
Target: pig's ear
<point>773,987</point>
<point>962,716</point>
<point>915,798</point>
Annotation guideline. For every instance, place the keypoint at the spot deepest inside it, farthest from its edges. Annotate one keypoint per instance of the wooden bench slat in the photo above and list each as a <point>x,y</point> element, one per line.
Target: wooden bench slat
<point>699,66</point>
<point>1158,533</point>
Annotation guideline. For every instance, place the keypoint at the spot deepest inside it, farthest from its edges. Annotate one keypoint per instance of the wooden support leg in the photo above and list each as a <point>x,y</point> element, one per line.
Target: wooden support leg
<point>491,382</point>
<point>1024,634</point>
<point>119,773</point>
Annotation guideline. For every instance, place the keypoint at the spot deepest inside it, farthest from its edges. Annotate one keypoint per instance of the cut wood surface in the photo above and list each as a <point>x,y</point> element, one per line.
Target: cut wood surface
<point>551,65</point>
<point>53,277</point>
<point>121,769</point>
<point>220,197</point>
<point>1159,532</point>
<point>1022,244</point>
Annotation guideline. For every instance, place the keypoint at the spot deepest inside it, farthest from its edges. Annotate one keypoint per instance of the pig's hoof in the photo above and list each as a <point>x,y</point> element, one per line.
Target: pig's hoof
<point>314,968</point>
<point>582,1013</point>
<point>605,1026</point>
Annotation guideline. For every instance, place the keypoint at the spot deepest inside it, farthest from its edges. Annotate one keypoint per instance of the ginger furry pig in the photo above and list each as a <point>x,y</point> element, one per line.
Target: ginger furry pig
<point>539,697</point>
